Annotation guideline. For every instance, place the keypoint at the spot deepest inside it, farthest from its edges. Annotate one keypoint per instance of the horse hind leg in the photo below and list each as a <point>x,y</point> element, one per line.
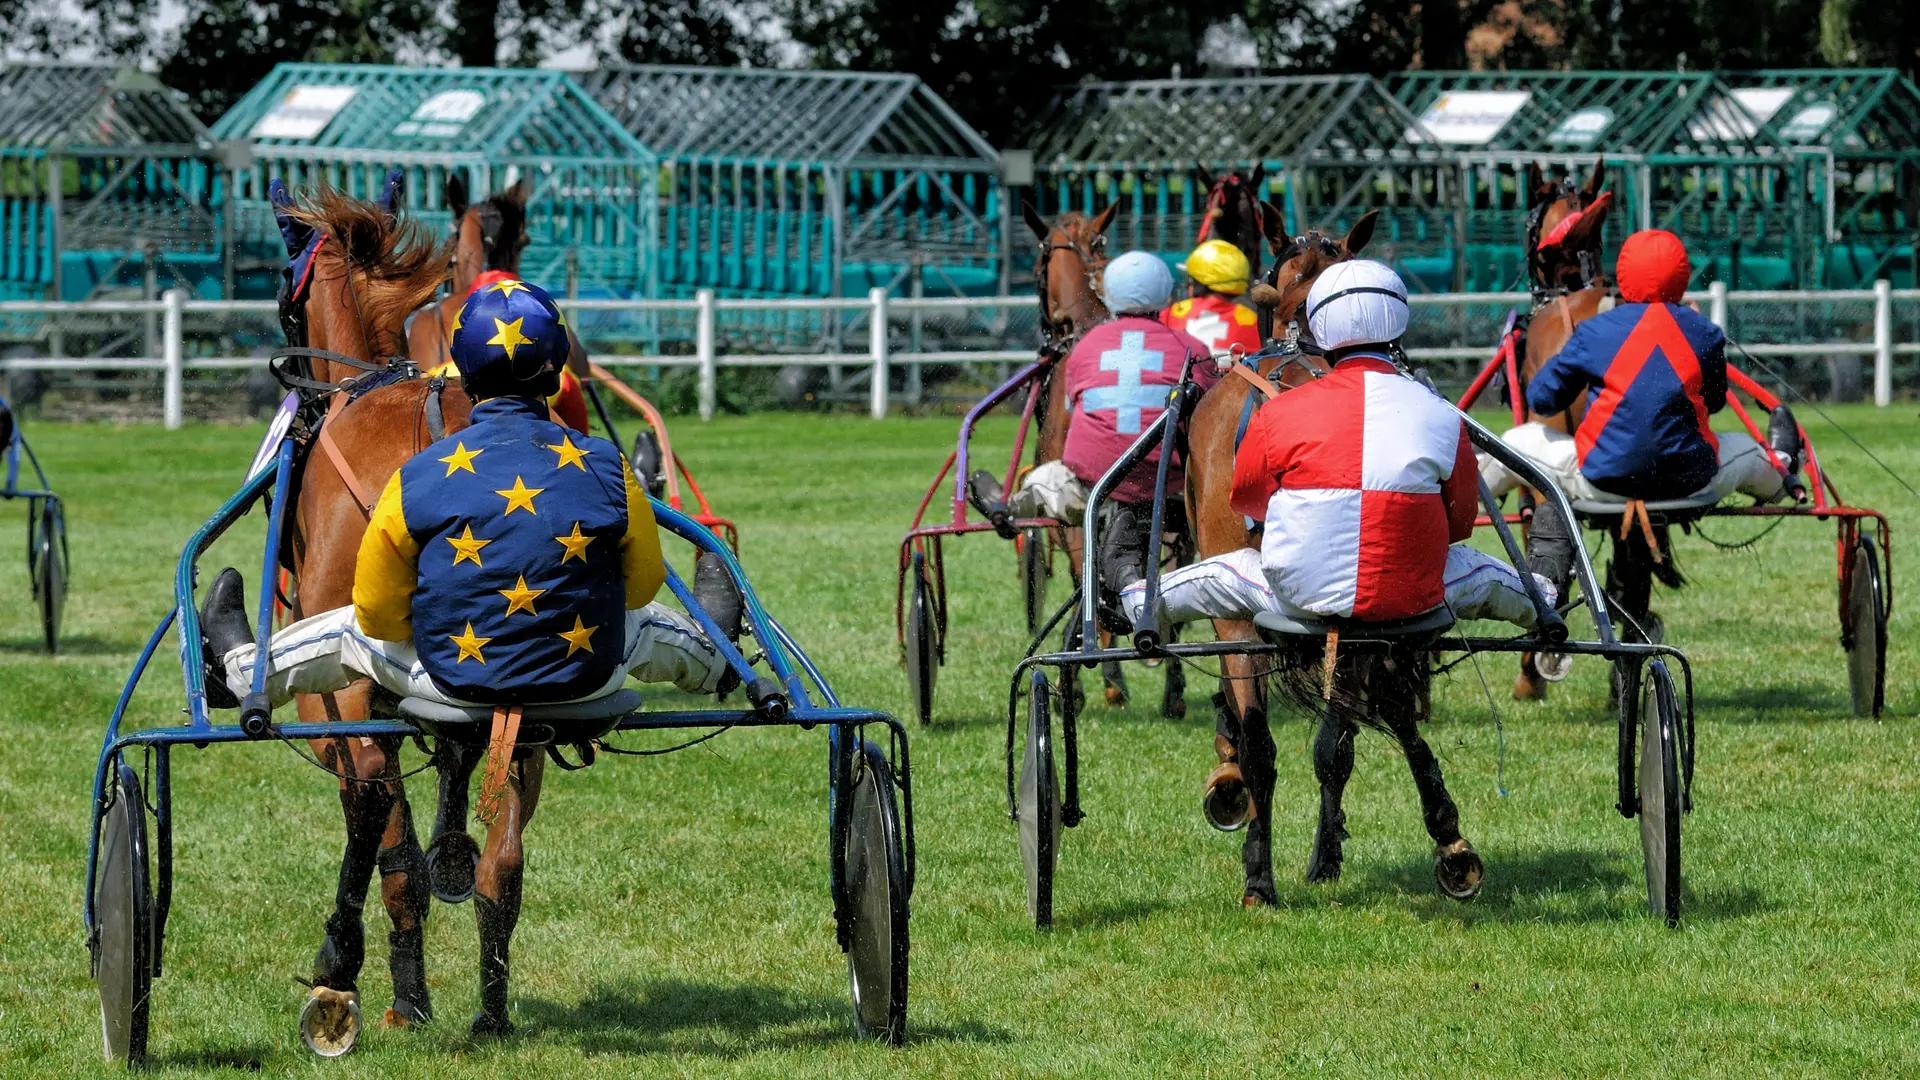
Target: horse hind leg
<point>1457,869</point>
<point>1257,752</point>
<point>403,889</point>
<point>497,882</point>
<point>1173,697</point>
<point>451,853</point>
<point>1332,767</point>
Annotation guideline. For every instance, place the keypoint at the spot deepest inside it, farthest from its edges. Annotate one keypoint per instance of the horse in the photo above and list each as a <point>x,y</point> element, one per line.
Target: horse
<point>488,235</point>
<point>1242,784</point>
<point>368,271</point>
<point>1565,221</point>
<point>1236,213</point>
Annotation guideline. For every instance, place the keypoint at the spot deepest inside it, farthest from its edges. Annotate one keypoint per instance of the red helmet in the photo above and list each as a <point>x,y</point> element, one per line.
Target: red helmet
<point>1653,268</point>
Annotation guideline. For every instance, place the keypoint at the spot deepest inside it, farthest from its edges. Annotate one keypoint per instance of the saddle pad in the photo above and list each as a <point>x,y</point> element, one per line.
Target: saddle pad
<point>1431,621</point>
<point>615,705</point>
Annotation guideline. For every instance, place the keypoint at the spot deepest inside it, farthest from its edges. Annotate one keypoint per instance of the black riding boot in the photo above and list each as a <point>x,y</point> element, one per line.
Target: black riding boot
<point>1783,436</point>
<point>223,628</point>
<point>985,494</point>
<point>1123,559</point>
<point>337,965</point>
<point>1550,546</point>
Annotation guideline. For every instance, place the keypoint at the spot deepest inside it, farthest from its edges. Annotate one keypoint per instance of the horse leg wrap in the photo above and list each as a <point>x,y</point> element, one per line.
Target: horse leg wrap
<point>1332,766</point>
<point>1257,766</point>
<point>497,921</point>
<point>407,960</point>
<point>342,952</point>
<point>1436,806</point>
<point>1226,727</point>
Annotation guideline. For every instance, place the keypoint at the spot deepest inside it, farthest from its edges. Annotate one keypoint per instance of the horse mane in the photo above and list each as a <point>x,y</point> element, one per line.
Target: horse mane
<point>398,265</point>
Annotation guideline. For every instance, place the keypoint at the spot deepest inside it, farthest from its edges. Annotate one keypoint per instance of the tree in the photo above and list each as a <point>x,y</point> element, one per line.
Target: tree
<point>692,32</point>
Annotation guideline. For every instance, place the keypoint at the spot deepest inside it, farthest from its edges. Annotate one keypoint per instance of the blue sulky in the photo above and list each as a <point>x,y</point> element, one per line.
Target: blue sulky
<point>47,561</point>
<point>869,790</point>
<point>1654,707</point>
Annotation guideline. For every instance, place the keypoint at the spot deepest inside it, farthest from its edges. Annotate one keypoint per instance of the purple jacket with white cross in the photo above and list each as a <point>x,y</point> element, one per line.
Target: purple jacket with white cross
<point>1118,377</point>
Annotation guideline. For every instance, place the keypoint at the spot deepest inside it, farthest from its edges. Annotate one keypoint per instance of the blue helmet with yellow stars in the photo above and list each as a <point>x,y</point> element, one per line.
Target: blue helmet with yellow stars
<point>509,340</point>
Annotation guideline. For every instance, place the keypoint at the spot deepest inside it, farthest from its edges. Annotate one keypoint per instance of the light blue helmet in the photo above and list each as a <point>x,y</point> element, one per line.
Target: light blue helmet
<point>1137,283</point>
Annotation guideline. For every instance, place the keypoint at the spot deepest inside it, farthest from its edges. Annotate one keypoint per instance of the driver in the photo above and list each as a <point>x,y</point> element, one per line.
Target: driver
<point>1365,482</point>
<point>1215,310</point>
<point>513,562</point>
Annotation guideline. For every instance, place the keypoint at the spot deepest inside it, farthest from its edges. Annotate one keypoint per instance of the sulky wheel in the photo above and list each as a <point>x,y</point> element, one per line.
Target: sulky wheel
<point>647,463</point>
<point>1864,630</point>
<point>47,565</point>
<point>123,921</point>
<point>1035,569</point>
<point>1039,806</point>
<point>877,889</point>
<point>922,651</point>
<point>1660,805</point>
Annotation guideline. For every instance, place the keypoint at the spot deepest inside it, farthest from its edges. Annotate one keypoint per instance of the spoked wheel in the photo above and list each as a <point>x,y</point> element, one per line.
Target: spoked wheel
<point>1035,569</point>
<point>1660,805</point>
<point>647,460</point>
<point>47,565</point>
<point>123,921</point>
<point>1039,806</point>
<point>1865,631</point>
<point>877,890</point>
<point>922,656</point>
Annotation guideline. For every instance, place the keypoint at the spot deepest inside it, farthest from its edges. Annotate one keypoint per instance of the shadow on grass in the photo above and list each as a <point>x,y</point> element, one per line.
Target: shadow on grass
<point>70,645</point>
<point>1551,887</point>
<point>1770,704</point>
<point>238,1058</point>
<point>679,1017</point>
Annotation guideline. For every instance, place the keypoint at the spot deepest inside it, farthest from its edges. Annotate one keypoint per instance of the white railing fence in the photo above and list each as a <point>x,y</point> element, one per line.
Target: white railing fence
<point>879,333</point>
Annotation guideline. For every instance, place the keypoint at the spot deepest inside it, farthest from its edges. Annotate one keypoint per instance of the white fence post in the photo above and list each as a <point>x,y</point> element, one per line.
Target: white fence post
<point>703,350</point>
<point>877,349</point>
<point>1882,342</point>
<point>171,350</point>
<point>1717,303</point>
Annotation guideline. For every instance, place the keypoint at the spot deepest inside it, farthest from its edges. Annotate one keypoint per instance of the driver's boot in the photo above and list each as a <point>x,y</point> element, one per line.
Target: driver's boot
<point>719,597</point>
<point>1123,561</point>
<point>1550,554</point>
<point>223,628</point>
<point>985,494</point>
<point>1783,438</point>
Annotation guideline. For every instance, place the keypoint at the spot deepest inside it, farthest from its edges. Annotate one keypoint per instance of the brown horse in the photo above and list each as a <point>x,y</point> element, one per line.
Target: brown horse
<point>368,274</point>
<point>487,235</point>
<point>1240,789</point>
<point>1236,213</point>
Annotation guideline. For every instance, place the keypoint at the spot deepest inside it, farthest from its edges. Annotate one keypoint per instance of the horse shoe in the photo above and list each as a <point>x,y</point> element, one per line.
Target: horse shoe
<point>1458,871</point>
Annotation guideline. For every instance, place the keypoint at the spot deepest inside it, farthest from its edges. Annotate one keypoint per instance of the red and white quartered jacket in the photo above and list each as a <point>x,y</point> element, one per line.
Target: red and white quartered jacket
<point>1363,478</point>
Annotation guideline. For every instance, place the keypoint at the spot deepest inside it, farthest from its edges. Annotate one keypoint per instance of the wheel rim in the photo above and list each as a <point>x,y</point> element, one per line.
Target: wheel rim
<point>920,665</point>
<point>1866,631</point>
<point>1039,807</point>
<point>49,580</point>
<point>123,913</point>
<point>1659,782</point>
<point>876,946</point>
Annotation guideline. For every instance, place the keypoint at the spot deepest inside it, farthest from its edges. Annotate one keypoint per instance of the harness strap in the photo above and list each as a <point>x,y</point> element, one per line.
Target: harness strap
<point>1637,511</point>
<point>1257,381</point>
<point>493,782</point>
<point>327,443</point>
<point>436,419</point>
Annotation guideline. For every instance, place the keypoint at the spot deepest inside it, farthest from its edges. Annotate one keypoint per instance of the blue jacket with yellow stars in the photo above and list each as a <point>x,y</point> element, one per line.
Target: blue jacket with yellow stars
<point>508,553</point>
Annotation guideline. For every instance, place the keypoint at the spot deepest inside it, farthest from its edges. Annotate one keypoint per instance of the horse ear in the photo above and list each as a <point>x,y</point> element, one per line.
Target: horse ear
<point>1361,232</point>
<point>1536,184</point>
<point>1598,177</point>
<point>456,194</point>
<point>1034,221</point>
<point>1105,217</point>
<point>1201,174</point>
<point>1258,178</point>
<point>521,191</point>
<point>1274,224</point>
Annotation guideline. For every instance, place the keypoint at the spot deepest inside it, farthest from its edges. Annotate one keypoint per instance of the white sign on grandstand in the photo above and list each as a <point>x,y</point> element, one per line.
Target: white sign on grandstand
<point>304,113</point>
<point>442,115</point>
<point>1741,118</point>
<point>1582,128</point>
<point>1469,117</point>
<point>1808,124</point>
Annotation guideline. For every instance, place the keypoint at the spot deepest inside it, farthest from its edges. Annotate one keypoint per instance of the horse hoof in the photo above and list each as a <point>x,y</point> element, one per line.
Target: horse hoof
<point>490,1027</point>
<point>1116,697</point>
<point>1226,803</point>
<point>1256,899</point>
<point>1458,870</point>
<point>405,1016</point>
<point>1321,871</point>
<point>330,1021</point>
<point>451,861</point>
<point>1173,707</point>
<point>1527,686</point>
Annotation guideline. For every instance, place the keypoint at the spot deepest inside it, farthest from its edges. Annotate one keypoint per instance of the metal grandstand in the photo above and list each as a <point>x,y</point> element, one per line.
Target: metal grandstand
<point>108,185</point>
<point>811,183</point>
<point>590,216</point>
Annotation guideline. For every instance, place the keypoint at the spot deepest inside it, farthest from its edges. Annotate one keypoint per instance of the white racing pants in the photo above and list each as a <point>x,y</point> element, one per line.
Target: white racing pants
<point>1234,586</point>
<point>1050,490</point>
<point>328,651</point>
<point>1745,466</point>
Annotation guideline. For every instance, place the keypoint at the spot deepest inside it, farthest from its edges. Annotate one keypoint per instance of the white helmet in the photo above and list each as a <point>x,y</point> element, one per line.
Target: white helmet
<point>1136,281</point>
<point>1360,302</point>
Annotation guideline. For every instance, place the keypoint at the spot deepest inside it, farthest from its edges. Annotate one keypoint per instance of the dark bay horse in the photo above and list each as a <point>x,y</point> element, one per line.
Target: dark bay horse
<point>488,235</point>
<point>369,271</point>
<point>1236,212</point>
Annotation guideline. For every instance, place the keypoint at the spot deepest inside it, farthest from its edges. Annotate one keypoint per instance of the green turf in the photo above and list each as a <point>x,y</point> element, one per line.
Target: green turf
<point>677,918</point>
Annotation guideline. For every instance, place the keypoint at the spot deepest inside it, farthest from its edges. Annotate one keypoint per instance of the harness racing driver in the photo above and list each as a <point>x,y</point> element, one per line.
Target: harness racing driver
<point>1214,311</point>
<point>1365,482</point>
<point>1118,378</point>
<point>1651,371</point>
<point>518,570</point>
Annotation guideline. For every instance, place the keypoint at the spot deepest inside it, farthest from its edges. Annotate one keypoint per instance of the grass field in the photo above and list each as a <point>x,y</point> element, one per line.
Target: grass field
<point>677,919</point>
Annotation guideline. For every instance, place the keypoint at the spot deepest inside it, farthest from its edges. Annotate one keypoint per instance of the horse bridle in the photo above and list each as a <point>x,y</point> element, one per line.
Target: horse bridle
<point>1299,339</point>
<point>1217,198</point>
<point>1538,284</point>
<point>1057,336</point>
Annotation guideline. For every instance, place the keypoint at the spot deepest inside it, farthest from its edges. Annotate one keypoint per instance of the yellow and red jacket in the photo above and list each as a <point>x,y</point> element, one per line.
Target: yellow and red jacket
<point>1219,323</point>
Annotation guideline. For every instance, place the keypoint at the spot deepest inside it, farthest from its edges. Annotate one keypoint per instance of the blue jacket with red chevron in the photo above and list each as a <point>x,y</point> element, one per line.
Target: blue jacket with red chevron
<point>1652,374</point>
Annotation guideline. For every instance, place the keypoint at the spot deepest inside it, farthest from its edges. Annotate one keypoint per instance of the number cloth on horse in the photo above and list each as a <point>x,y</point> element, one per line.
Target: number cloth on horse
<point>514,561</point>
<point>1652,371</point>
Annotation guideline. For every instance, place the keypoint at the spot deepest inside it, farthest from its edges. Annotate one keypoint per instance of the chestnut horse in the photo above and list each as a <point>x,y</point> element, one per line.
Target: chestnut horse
<point>1242,786</point>
<point>368,273</point>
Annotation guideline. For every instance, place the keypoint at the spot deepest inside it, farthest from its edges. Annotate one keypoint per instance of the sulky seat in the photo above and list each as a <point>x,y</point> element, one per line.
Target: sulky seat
<point>1432,621</point>
<point>569,721</point>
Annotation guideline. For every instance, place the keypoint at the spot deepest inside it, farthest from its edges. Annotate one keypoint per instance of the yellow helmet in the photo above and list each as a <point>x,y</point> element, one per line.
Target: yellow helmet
<point>1219,266</point>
